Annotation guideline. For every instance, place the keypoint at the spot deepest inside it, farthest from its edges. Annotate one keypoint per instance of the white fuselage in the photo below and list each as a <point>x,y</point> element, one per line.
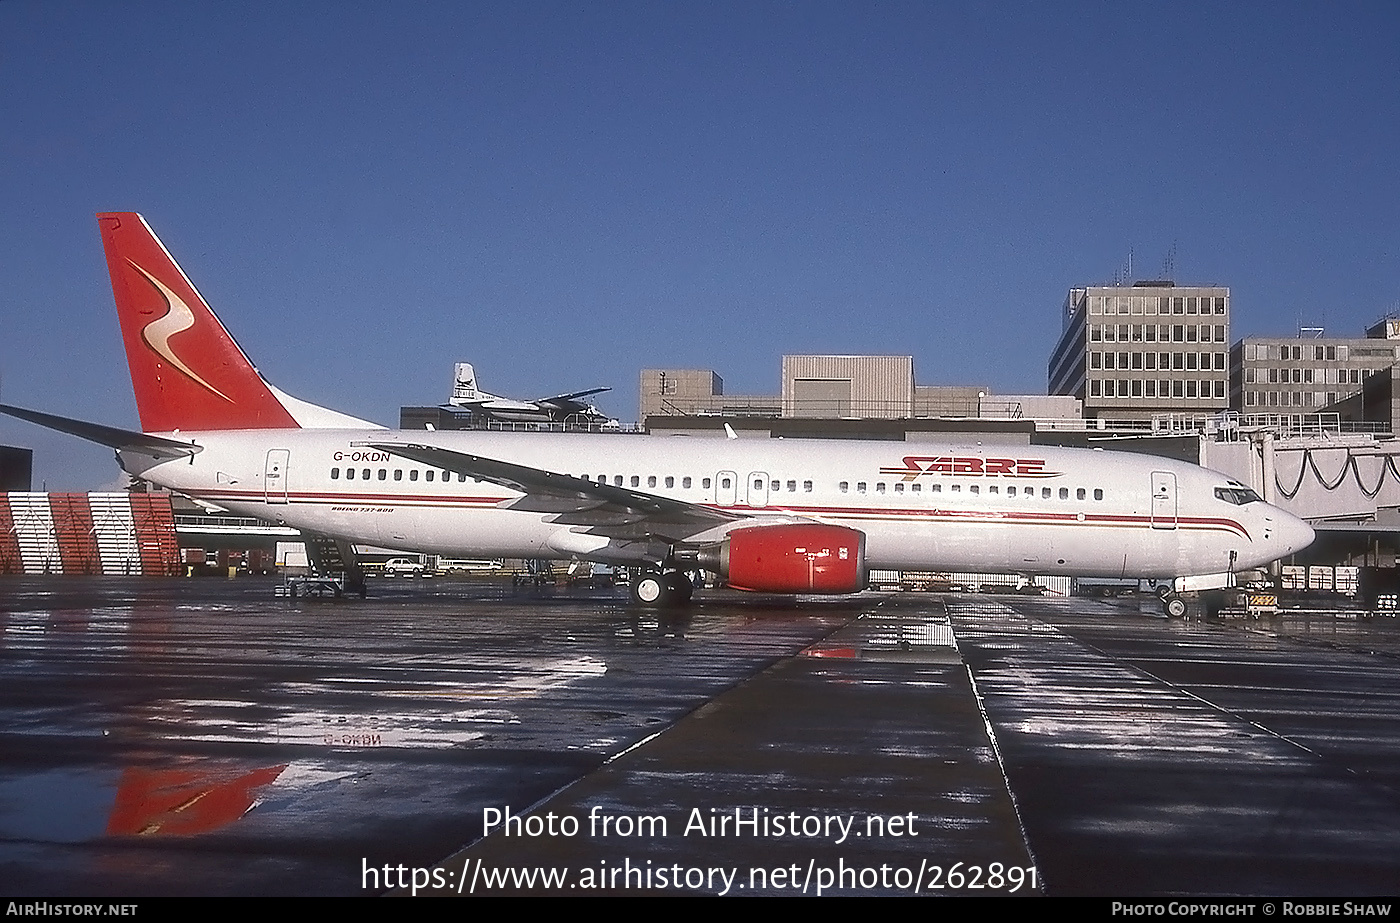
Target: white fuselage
<point>922,506</point>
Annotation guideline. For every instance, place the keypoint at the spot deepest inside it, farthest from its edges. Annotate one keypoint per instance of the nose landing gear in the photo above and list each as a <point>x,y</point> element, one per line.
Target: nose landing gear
<point>1173,606</point>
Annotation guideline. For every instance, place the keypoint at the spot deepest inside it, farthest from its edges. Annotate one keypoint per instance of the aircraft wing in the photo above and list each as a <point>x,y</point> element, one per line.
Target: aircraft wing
<point>604,509</point>
<point>560,398</point>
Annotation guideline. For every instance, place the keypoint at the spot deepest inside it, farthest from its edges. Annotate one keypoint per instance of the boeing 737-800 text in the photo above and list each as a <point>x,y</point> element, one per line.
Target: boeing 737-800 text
<point>783,516</point>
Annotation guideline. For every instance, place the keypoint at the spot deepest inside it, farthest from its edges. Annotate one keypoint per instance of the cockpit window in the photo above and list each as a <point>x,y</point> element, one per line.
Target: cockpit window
<point>1237,495</point>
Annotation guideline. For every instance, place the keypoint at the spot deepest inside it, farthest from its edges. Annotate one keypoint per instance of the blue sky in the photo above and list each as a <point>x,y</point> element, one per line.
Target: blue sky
<point>565,193</point>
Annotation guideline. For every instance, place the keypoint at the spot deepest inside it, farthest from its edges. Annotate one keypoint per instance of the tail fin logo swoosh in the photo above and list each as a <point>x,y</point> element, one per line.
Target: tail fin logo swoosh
<point>177,318</point>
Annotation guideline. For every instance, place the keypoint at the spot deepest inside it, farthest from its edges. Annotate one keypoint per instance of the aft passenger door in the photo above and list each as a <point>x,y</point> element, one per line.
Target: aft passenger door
<point>1163,500</point>
<point>275,475</point>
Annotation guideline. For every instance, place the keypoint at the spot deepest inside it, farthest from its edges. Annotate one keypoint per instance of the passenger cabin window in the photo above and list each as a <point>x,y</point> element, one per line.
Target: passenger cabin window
<point>685,483</point>
<point>335,474</point>
<point>899,487</point>
<point>398,474</point>
<point>670,482</point>
<point>651,480</point>
<point>807,487</point>
<point>1045,493</point>
<point>1098,494</point>
<point>636,481</point>
<point>860,487</point>
<point>1079,494</point>
<point>704,483</point>
<point>383,474</point>
<point>1064,493</point>
<point>792,486</point>
<point>429,475</point>
<point>916,488</point>
<point>413,475</point>
<point>364,474</point>
<point>844,487</point>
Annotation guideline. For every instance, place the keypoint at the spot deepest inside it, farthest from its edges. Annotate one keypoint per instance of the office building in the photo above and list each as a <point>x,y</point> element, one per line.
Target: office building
<point>1292,375</point>
<point>1131,352</point>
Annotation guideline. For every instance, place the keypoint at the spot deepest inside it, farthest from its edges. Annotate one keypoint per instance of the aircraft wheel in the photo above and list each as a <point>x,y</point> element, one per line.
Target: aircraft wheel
<point>1163,591</point>
<point>680,587</point>
<point>650,590</point>
<point>1174,607</point>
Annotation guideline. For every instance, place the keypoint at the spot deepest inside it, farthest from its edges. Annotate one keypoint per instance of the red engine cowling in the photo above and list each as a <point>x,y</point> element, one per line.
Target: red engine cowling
<point>793,558</point>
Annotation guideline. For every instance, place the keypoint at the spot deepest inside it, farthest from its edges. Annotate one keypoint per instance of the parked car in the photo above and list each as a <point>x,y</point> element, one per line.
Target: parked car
<point>403,567</point>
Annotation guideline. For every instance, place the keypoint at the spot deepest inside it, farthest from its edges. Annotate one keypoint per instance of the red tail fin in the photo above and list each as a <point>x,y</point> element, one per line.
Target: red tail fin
<point>187,371</point>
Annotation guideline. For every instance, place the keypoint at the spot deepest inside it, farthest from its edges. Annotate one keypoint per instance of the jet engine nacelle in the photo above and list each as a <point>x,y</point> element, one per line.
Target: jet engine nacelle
<point>790,558</point>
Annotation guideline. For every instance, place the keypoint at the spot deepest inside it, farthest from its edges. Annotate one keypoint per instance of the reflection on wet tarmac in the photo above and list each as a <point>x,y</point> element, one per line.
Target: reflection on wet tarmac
<point>291,740</point>
<point>202,737</point>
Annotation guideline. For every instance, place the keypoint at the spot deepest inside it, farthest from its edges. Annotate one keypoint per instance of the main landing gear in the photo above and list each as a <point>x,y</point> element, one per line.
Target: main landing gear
<point>656,589</point>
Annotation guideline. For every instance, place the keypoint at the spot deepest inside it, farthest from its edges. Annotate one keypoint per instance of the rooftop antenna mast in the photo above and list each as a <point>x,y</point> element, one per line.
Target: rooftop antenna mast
<point>1124,275</point>
<point>1169,264</point>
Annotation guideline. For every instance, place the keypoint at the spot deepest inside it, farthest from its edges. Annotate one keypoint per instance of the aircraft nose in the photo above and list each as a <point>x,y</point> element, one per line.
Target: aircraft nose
<point>1295,533</point>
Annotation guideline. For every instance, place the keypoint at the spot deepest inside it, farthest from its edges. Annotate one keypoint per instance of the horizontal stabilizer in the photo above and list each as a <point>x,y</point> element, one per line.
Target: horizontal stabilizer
<point>155,446</point>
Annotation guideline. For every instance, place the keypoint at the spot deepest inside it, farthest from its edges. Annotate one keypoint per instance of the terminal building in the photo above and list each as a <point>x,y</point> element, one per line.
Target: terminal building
<point>1302,375</point>
<point>1130,352</point>
<point>852,397</point>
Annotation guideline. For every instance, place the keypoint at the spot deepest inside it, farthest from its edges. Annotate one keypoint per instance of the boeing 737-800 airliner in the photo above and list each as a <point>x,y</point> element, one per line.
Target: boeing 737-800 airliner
<point>784,516</point>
